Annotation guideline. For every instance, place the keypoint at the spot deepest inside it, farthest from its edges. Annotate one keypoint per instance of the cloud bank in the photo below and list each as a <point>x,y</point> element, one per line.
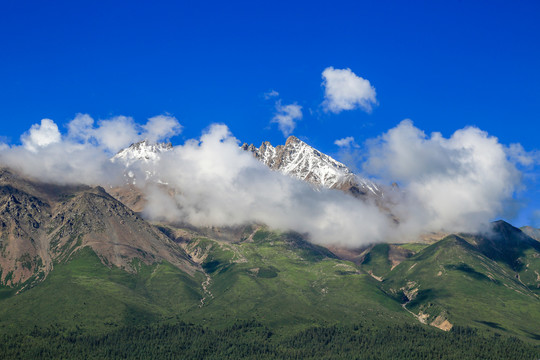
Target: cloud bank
<point>220,184</point>
<point>452,184</point>
<point>344,90</point>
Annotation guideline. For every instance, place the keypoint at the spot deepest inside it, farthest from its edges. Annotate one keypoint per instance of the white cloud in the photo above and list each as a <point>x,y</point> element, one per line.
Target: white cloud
<point>161,127</point>
<point>286,117</point>
<point>81,127</point>
<point>48,156</point>
<point>119,132</point>
<point>64,162</point>
<point>344,90</point>
<point>82,155</point>
<point>454,184</point>
<point>116,133</point>
<point>346,142</point>
<point>41,135</point>
<point>4,143</point>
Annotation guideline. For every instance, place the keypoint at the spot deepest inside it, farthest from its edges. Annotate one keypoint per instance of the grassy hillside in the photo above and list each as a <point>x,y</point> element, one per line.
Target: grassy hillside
<point>452,280</point>
<point>376,260</point>
<point>279,279</point>
<point>513,250</point>
<point>285,282</point>
<point>85,294</point>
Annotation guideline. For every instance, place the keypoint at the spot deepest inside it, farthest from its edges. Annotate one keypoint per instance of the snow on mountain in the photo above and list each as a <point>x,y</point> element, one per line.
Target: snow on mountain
<point>141,151</point>
<point>298,159</point>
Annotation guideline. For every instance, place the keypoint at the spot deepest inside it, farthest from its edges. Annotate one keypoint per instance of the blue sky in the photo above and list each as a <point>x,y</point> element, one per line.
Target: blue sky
<point>444,65</point>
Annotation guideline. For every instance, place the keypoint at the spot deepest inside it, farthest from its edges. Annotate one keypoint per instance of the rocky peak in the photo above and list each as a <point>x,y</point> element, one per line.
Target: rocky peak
<point>292,140</point>
<point>144,151</point>
<point>143,155</point>
<point>300,160</point>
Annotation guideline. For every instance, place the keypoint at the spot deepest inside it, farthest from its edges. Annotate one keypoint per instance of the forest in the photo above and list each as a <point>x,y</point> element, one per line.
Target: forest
<point>252,340</point>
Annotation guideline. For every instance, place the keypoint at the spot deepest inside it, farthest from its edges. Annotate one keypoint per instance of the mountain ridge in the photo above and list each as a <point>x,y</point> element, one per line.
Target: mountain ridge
<point>39,228</point>
<point>300,160</point>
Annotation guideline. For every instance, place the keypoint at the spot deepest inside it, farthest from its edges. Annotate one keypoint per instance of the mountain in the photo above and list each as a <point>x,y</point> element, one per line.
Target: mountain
<point>143,151</point>
<point>486,279</point>
<point>507,245</point>
<point>45,224</point>
<point>78,263</point>
<point>295,158</point>
<point>299,160</point>
<point>139,160</point>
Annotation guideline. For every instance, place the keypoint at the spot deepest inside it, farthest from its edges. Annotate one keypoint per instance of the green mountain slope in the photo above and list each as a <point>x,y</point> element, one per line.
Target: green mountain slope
<point>453,280</point>
<point>379,259</point>
<point>83,293</point>
<point>279,279</point>
<point>285,282</point>
<point>512,249</point>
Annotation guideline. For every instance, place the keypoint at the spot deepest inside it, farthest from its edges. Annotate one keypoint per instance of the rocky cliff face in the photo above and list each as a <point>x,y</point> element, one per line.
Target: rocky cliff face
<point>23,244</point>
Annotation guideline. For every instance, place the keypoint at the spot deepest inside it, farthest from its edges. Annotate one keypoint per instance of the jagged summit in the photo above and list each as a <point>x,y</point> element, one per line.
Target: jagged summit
<point>144,150</point>
<point>298,159</point>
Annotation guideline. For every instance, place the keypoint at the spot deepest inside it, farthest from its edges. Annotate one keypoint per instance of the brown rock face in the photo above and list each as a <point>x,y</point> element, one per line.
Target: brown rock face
<point>23,249</point>
<point>41,224</point>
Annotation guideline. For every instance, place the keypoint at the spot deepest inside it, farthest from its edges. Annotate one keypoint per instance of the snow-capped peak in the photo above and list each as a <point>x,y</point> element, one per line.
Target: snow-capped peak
<point>298,159</point>
<point>144,151</point>
<point>141,156</point>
